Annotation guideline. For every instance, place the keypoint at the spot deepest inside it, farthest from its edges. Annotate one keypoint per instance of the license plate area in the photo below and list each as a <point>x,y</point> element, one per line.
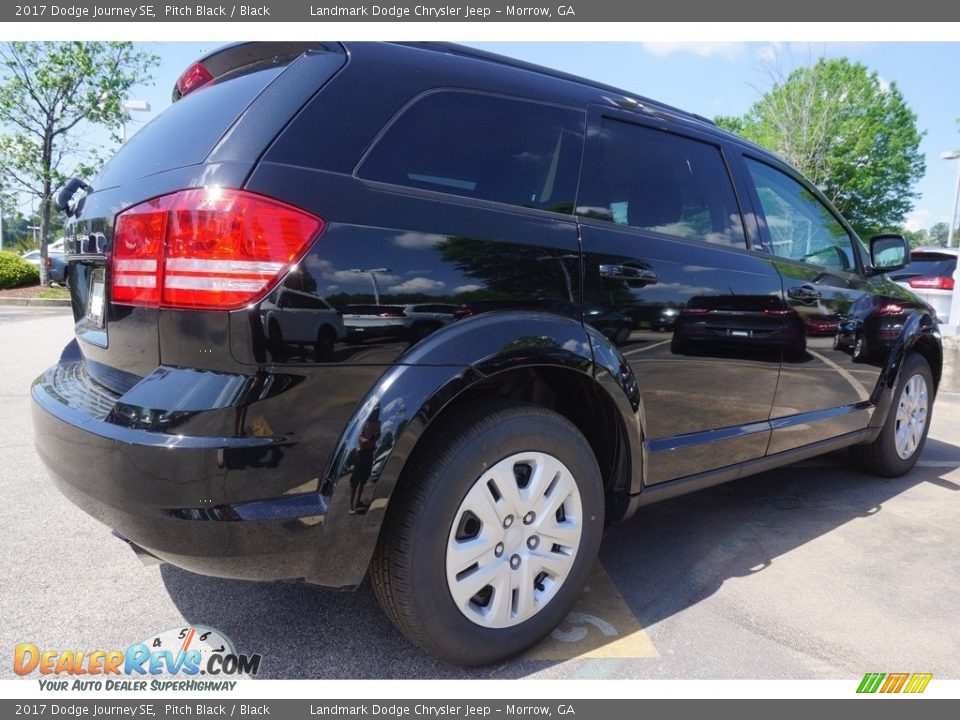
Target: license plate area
<point>96,299</point>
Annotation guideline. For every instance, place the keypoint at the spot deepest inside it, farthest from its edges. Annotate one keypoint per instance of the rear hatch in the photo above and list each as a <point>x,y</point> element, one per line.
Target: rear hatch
<point>227,109</point>
<point>928,270</point>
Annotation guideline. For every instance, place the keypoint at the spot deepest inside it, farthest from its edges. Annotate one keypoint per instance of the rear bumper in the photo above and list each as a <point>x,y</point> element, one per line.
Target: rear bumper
<point>193,501</point>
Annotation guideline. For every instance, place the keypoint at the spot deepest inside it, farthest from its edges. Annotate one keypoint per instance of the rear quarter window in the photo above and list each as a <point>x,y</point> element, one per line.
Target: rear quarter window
<point>484,147</point>
<point>661,182</point>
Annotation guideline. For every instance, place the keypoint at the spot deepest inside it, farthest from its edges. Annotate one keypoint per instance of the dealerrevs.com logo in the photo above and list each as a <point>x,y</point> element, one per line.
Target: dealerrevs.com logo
<point>174,659</point>
<point>888,683</point>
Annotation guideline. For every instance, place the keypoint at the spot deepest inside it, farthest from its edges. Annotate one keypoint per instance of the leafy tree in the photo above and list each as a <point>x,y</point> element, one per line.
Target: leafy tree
<point>48,92</point>
<point>849,132</point>
<point>916,238</point>
<point>939,233</point>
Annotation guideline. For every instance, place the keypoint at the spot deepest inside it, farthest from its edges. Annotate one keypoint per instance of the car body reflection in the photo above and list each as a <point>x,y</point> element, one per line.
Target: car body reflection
<point>871,327</point>
<point>731,322</point>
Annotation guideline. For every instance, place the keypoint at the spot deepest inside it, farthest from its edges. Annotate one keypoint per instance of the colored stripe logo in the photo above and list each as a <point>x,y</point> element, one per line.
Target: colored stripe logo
<point>894,683</point>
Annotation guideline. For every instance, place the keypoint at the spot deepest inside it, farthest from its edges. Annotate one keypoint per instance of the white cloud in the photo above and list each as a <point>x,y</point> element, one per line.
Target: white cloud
<point>466,288</point>
<point>703,49</point>
<point>418,239</point>
<point>348,277</point>
<point>919,219</point>
<point>418,284</point>
<point>884,84</point>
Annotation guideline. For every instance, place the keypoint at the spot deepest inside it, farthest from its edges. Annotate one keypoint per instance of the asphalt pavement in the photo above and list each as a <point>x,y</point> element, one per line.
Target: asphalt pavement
<point>812,571</point>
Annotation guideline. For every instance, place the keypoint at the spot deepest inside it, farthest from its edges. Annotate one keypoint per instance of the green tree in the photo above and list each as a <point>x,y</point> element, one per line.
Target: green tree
<point>48,92</point>
<point>916,238</point>
<point>849,132</point>
<point>939,233</point>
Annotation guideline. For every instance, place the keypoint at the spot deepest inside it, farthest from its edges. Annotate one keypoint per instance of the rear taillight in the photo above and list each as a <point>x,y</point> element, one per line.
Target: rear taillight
<point>391,314</point>
<point>206,248</point>
<point>48,262</point>
<point>931,282</point>
<point>194,77</point>
<point>890,309</point>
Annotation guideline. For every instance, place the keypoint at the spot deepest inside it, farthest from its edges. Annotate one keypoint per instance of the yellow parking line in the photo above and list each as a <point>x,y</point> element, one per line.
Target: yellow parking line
<point>601,625</point>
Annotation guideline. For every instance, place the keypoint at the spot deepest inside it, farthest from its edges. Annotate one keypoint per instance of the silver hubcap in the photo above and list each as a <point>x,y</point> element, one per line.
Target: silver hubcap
<point>911,416</point>
<point>514,539</point>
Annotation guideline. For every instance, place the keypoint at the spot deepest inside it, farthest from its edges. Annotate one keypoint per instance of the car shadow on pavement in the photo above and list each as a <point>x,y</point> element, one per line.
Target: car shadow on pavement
<point>666,559</point>
<point>672,555</point>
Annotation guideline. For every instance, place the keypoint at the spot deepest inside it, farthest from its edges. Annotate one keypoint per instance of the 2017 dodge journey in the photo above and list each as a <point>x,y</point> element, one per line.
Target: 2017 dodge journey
<point>613,302</point>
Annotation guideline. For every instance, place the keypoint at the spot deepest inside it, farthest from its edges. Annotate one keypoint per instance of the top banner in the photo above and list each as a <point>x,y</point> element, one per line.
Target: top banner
<point>479,11</point>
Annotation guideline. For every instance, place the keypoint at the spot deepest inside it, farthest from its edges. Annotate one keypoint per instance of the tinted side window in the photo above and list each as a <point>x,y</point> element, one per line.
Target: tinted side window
<point>800,226</point>
<point>661,182</point>
<point>484,147</point>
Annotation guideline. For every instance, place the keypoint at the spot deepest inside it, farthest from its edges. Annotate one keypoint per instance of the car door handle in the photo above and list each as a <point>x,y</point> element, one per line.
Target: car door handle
<point>628,272</point>
<point>804,292</point>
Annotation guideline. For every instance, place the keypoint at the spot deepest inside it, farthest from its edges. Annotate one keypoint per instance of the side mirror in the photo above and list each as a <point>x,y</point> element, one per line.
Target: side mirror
<point>889,252</point>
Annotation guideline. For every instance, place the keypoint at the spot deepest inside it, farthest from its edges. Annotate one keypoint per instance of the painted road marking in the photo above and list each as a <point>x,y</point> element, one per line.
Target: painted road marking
<point>844,373</point>
<point>601,625</point>
<point>634,351</point>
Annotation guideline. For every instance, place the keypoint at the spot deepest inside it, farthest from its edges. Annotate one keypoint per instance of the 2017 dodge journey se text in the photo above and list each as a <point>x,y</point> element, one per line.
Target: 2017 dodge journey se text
<point>522,305</point>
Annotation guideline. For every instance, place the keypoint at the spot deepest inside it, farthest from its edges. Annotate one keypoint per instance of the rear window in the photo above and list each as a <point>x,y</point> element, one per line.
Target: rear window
<point>187,131</point>
<point>935,264</point>
<point>485,147</point>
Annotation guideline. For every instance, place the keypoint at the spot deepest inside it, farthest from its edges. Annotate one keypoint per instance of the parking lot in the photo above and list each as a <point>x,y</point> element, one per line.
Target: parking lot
<point>813,571</point>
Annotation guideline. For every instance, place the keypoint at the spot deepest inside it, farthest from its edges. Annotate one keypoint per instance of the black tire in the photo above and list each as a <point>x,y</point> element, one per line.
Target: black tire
<point>408,568</point>
<point>880,457</point>
<point>326,339</point>
<point>275,338</point>
<point>861,350</point>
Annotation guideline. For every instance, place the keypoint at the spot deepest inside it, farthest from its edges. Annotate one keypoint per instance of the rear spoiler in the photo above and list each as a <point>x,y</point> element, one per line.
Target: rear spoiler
<point>239,58</point>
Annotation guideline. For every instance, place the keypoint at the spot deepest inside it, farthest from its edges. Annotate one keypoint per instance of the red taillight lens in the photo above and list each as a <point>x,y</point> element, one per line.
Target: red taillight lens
<point>890,309</point>
<point>206,248</point>
<point>195,76</point>
<point>931,282</point>
<point>48,262</point>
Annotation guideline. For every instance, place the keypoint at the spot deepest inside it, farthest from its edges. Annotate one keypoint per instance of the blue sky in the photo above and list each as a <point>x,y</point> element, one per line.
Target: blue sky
<point>716,79</point>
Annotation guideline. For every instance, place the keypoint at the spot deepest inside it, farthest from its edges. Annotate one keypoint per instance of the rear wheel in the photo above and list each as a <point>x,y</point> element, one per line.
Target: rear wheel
<point>326,339</point>
<point>489,544</point>
<point>898,447</point>
<point>861,351</point>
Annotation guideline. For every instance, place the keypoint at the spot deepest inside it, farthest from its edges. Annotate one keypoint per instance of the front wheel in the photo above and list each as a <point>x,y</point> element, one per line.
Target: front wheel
<point>488,543</point>
<point>900,442</point>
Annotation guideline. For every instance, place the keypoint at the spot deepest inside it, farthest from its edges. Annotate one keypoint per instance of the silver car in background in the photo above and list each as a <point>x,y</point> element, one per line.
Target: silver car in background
<point>930,276</point>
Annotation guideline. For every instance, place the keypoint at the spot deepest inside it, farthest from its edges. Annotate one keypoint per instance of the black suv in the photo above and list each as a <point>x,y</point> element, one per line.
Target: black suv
<point>636,305</point>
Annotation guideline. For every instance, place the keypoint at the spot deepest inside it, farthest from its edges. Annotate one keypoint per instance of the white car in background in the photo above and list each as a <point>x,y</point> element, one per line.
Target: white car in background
<point>294,318</point>
<point>396,322</point>
<point>930,276</point>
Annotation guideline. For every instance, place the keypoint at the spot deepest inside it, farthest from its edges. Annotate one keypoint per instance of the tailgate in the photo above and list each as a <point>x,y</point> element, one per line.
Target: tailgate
<point>211,137</point>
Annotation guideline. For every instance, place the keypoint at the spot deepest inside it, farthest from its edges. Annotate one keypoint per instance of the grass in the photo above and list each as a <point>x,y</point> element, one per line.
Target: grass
<point>54,293</point>
<point>37,291</point>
